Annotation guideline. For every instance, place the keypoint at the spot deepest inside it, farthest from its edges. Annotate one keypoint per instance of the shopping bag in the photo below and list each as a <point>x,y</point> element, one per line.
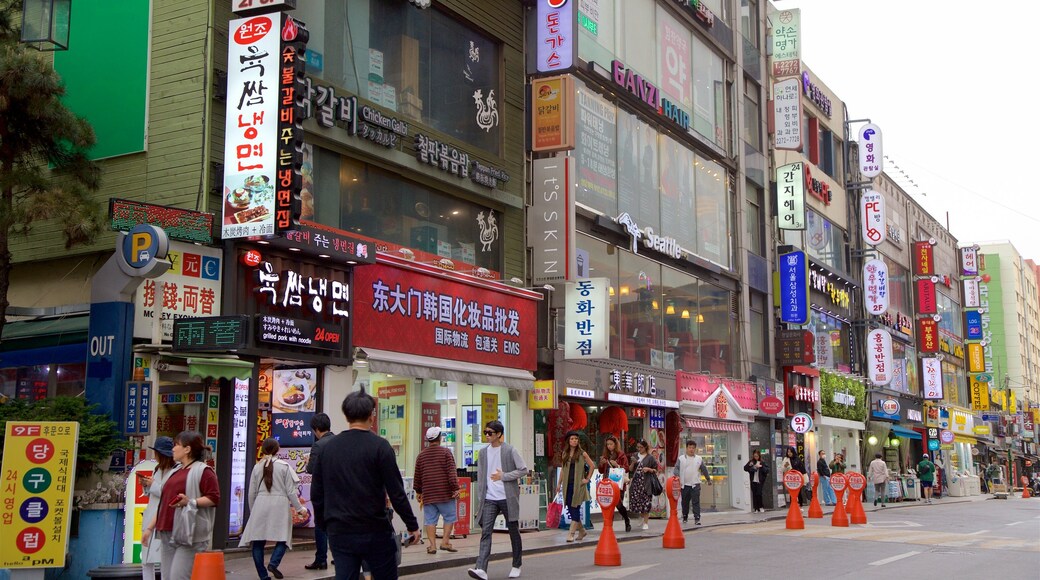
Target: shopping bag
<point>618,475</point>
<point>184,525</point>
<point>553,512</point>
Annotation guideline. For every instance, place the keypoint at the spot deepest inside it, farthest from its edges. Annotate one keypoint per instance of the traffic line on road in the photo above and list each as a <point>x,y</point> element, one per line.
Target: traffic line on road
<point>894,558</point>
<point>978,533</point>
<point>1014,523</point>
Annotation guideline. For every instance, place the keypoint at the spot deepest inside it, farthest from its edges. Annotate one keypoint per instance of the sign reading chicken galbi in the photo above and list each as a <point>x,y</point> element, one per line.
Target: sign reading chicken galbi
<point>431,313</point>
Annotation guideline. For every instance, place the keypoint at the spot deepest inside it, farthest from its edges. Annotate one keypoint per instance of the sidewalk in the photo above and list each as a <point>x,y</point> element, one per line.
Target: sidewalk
<point>415,560</point>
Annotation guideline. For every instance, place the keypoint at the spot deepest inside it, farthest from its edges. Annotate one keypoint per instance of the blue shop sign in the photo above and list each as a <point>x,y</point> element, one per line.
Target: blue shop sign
<point>794,288</point>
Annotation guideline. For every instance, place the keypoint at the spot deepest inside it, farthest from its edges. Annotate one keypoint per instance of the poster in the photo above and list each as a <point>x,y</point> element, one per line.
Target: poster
<point>263,407</point>
<point>297,458</point>
<point>239,441</point>
<point>293,405</point>
<point>596,151</point>
<point>431,417</point>
<point>393,420</point>
<point>637,177</point>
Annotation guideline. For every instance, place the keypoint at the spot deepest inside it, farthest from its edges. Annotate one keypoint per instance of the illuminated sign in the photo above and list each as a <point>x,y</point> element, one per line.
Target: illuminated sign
<point>879,357</point>
<point>179,224</point>
<point>875,286</point>
<point>818,188</point>
<point>648,93</point>
<point>554,32</point>
<point>816,95</point>
<point>872,214</point>
<point>790,196</point>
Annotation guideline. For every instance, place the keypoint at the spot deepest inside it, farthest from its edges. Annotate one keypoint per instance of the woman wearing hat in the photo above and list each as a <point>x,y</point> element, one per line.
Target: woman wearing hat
<point>574,480</point>
<point>151,552</point>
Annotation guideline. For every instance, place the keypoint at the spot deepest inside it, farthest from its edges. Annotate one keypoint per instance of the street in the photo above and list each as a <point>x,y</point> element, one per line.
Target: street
<point>927,541</point>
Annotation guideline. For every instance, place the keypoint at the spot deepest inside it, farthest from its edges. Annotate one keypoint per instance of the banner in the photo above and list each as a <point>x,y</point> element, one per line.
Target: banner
<point>979,394</point>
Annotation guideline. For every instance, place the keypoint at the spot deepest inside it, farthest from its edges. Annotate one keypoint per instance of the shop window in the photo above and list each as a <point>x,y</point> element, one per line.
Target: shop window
<point>712,205</point>
<point>596,151</point>
<point>677,193</point>
<point>709,95</point>
<point>358,197</point>
<point>682,318</point>
<point>638,54</point>
<point>641,325</point>
<point>898,286</point>
<point>715,307</point>
<point>596,31</point>
<point>825,242</point>
<point>832,342</point>
<point>638,192</point>
<point>32,383</point>
<point>950,313</point>
<point>423,64</point>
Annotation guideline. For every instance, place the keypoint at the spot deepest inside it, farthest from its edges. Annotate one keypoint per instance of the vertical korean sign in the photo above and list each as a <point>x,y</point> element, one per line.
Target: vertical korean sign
<point>550,220</point>
<point>924,262</point>
<point>879,357</point>
<point>875,287</point>
<point>787,114</point>
<point>251,127</point>
<point>872,215</point>
<point>239,442</point>
<point>292,90</point>
<point>790,196</point>
<point>927,335</point>
<point>931,378</point>
<point>588,319</point>
<point>970,261</point>
<point>787,54</point>
<point>39,468</point>
<point>555,35</point>
<point>871,156</point>
<point>794,288</point>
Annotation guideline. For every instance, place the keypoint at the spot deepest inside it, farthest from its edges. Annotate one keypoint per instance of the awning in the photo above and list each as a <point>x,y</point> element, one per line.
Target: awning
<point>957,438</point>
<point>219,368</point>
<point>44,332</point>
<point>47,355</point>
<point>904,432</point>
<point>708,425</point>
<point>411,365</point>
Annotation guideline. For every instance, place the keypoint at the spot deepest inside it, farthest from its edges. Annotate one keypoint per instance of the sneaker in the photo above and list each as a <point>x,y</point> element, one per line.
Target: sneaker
<point>684,520</point>
<point>477,573</point>
<point>875,502</point>
<point>514,573</point>
<point>646,527</point>
<point>696,522</point>
<point>275,572</point>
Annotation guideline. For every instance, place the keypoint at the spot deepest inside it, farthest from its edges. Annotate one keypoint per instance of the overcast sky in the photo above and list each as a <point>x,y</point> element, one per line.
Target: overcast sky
<point>950,83</point>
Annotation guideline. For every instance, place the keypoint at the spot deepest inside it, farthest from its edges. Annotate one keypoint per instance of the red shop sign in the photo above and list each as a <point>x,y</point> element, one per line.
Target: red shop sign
<point>924,263</point>
<point>926,302</point>
<point>927,335</point>
<point>428,313</point>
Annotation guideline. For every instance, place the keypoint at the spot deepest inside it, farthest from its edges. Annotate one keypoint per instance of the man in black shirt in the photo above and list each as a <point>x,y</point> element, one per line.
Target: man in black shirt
<point>356,474</point>
<point>321,424</point>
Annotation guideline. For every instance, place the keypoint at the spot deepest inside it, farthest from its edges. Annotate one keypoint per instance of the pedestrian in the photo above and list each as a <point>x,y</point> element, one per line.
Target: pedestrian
<point>613,458</point>
<point>193,484</point>
<point>576,468</point>
<point>926,473</point>
<point>321,425</point>
<point>877,472</point>
<point>639,495</point>
<point>151,552</point>
<point>499,469</point>
<point>758,471</point>
<point>838,465</point>
<point>273,487</point>
<point>824,470</point>
<point>786,464</point>
<point>436,485</point>
<point>689,469</point>
<point>798,464</point>
<point>356,473</point>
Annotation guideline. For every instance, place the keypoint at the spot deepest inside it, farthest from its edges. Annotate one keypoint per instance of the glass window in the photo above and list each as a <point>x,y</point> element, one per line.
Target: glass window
<point>682,331</point>
<point>749,21</point>
<point>423,64</point>
<point>752,116</point>
<point>832,342</point>
<point>603,263</point>
<point>757,332</point>
<point>717,7</point>
<point>713,237</point>
<point>674,65</point>
<point>753,219</point>
<point>639,290</point>
<point>596,31</point>
<point>825,241</point>
<point>677,197</point>
<point>636,51</point>
<point>950,312</point>
<point>596,151</point>
<point>714,315</point>
<point>898,287</point>
<point>709,94</point>
<point>380,204</point>
<point>638,192</point>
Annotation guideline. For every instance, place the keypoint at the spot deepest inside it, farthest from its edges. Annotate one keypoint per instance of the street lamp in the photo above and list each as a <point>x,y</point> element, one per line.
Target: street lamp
<point>45,24</point>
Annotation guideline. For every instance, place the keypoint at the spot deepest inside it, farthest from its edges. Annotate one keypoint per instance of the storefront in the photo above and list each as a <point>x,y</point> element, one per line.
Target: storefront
<point>831,301</point>
<point>962,458</point>
<point>895,429</point>
<point>843,410</point>
<point>716,414</point>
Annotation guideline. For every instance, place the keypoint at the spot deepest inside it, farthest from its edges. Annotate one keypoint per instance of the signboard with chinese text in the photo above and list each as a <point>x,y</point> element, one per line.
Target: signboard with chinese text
<point>879,357</point>
<point>431,417</point>
<point>488,410</point>
<point>211,333</point>
<point>875,286</point>
<point>405,310</point>
<point>39,467</point>
<point>794,288</point>
<point>542,396</point>
<point>923,259</point>
<point>927,335</point>
<point>931,378</point>
<point>555,35</point>
<point>251,127</point>
<point>787,115</point>
<point>871,156</point>
<point>552,114</point>
<point>926,299</point>
<point>790,196</point>
<point>787,43</point>
<point>587,317</point>
<point>872,214</point>
<point>190,288</point>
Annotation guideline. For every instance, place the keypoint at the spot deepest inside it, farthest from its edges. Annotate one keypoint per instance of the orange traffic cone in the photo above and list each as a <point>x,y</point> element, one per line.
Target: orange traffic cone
<point>673,534</point>
<point>208,566</point>
<point>1025,488</point>
<point>839,518</point>
<point>856,513</point>
<point>815,510</point>
<point>608,494</point>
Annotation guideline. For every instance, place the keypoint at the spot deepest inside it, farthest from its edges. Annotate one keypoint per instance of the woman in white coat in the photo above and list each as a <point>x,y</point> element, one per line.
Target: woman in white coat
<point>272,488</point>
<point>151,552</point>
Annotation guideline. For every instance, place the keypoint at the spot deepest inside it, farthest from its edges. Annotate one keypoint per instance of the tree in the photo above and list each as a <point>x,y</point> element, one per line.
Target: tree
<point>45,173</point>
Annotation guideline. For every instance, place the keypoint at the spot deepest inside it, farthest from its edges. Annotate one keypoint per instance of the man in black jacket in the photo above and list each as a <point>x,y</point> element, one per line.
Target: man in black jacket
<point>355,475</point>
<point>321,424</point>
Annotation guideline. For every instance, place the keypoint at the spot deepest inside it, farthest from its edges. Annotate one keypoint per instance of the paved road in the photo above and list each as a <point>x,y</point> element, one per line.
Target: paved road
<point>971,540</point>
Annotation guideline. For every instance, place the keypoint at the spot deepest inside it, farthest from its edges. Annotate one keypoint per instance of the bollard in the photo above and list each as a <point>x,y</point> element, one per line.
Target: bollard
<point>839,518</point>
<point>857,483</point>
<point>815,510</point>
<point>607,552</point>
<point>208,566</point>
<point>1025,488</point>
<point>793,482</point>
<point>673,536</point>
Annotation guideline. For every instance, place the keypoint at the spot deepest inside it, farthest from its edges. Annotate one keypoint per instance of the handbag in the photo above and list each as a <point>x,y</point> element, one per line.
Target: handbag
<point>655,484</point>
<point>553,512</point>
<point>184,525</point>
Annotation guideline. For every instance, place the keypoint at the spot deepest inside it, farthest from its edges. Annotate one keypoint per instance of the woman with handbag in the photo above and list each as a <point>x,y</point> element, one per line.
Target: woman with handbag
<point>640,494</point>
<point>273,486</point>
<point>613,461</point>
<point>575,473</point>
<point>758,471</point>
<point>151,551</point>
<point>187,508</point>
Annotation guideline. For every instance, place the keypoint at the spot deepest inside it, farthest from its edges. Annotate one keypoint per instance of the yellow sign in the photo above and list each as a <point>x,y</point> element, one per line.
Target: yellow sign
<point>1012,403</point>
<point>488,409</point>
<point>552,114</point>
<point>542,397</point>
<point>979,395</point>
<point>976,358</point>
<point>981,430</point>
<point>39,470</point>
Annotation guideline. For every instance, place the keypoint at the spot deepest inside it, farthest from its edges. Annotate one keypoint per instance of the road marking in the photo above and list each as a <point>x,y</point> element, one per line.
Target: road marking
<point>978,533</point>
<point>894,558</point>
<point>616,572</point>
<point>1014,523</point>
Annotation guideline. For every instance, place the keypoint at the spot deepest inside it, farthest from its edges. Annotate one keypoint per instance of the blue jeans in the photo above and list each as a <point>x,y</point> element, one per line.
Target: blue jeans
<point>827,491</point>
<point>321,546</point>
<point>376,548</point>
<point>258,556</point>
